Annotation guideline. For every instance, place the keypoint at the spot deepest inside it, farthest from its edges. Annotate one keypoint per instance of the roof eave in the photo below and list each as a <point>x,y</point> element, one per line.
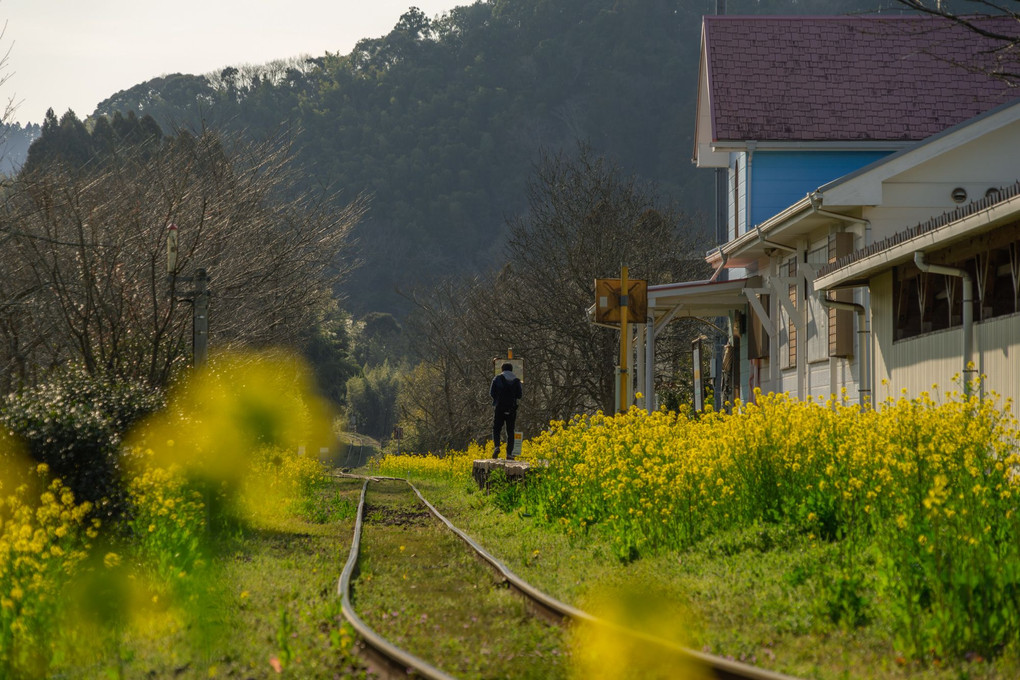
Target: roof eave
<point>757,239</point>
<point>865,268</point>
<point>700,298</point>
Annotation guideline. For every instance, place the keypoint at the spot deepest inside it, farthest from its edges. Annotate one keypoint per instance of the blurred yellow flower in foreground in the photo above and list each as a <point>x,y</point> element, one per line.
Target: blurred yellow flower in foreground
<point>619,645</point>
<point>235,405</point>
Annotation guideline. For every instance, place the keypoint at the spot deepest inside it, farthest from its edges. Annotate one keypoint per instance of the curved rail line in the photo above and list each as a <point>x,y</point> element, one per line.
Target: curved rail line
<point>386,653</point>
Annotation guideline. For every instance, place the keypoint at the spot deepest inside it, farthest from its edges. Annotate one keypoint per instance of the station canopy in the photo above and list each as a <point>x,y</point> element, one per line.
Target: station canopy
<point>703,299</point>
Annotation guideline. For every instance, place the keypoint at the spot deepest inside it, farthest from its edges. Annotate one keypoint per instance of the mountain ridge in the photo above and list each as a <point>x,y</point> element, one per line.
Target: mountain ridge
<point>441,120</point>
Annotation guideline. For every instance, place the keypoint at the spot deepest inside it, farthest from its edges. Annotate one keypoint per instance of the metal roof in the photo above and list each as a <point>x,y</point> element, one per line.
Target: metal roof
<point>847,78</point>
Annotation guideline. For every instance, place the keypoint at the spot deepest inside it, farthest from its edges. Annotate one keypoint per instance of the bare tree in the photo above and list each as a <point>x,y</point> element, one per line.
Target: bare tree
<point>442,402</point>
<point>12,104</point>
<point>1002,36</point>
<point>585,219</point>
<point>85,256</point>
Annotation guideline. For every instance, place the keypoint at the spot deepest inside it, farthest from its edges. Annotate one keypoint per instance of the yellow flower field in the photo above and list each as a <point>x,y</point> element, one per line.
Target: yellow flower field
<point>43,538</point>
<point>922,495</point>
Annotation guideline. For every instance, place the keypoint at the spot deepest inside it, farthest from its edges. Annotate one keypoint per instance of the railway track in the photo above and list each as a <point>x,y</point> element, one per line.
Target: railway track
<point>387,658</point>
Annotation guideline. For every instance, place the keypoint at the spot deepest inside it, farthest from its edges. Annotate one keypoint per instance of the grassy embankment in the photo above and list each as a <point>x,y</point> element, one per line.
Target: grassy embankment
<point>223,561</point>
<point>809,538</point>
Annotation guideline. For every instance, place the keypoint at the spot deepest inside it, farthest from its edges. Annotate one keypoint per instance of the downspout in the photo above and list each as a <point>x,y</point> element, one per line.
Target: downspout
<point>748,184</point>
<point>968,312</point>
<point>722,264</point>
<point>863,341</point>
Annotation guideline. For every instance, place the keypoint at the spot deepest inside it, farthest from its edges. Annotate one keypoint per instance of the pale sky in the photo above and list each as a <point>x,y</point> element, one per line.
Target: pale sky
<point>76,53</point>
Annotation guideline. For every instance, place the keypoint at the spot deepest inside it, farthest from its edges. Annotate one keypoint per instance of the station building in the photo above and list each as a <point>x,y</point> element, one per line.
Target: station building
<point>866,174</point>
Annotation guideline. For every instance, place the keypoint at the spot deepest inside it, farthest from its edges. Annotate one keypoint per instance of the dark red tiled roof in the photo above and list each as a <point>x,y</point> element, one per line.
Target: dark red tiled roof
<point>894,78</point>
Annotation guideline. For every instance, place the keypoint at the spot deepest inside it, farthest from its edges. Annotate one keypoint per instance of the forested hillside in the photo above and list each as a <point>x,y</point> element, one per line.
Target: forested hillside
<point>439,122</point>
<point>14,142</point>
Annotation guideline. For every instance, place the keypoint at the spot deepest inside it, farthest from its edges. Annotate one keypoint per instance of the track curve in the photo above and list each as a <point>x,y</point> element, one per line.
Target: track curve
<point>386,654</point>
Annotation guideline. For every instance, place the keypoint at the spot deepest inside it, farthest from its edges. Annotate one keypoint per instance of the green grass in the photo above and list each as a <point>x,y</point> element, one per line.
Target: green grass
<point>765,595</point>
<point>421,588</point>
<point>272,604</point>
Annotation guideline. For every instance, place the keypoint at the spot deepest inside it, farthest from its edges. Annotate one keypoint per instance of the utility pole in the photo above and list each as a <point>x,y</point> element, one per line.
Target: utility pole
<point>199,298</point>
<point>201,320</point>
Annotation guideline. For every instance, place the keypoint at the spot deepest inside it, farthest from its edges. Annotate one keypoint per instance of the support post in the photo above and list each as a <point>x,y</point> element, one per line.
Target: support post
<point>650,364</point>
<point>699,390</point>
<point>199,297</point>
<point>638,362</point>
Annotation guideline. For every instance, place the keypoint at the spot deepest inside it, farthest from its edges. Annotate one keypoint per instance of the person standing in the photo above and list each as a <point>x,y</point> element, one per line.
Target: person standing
<point>505,391</point>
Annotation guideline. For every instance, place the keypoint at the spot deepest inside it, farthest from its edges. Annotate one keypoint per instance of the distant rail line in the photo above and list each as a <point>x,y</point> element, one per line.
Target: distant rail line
<point>388,659</point>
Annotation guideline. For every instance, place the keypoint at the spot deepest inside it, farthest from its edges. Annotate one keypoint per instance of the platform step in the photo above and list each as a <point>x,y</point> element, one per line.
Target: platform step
<point>482,469</point>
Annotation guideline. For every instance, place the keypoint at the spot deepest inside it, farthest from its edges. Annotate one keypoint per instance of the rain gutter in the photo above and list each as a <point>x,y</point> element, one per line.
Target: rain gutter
<point>969,371</point>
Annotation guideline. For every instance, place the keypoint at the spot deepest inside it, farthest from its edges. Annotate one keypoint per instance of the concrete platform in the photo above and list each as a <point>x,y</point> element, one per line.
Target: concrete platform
<point>515,470</point>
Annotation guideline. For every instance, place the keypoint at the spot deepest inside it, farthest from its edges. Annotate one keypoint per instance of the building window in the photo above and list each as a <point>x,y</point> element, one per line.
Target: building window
<point>815,332</point>
<point>926,302</point>
<point>841,321</point>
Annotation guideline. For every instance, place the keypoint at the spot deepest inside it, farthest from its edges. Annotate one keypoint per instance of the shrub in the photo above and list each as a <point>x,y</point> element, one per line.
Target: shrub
<point>505,492</point>
<point>74,423</point>
<point>168,521</point>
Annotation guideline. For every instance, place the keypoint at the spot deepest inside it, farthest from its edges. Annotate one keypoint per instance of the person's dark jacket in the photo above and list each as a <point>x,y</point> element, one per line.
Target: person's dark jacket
<point>505,391</point>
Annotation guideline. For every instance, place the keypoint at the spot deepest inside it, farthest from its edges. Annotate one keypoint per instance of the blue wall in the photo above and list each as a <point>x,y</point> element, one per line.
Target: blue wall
<point>781,178</point>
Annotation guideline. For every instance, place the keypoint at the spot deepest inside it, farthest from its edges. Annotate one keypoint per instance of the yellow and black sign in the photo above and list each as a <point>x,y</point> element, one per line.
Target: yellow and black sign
<point>518,366</point>
<point>608,300</point>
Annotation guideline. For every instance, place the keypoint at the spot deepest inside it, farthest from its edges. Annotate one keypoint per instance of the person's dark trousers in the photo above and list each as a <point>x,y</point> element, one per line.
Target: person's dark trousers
<point>498,420</point>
